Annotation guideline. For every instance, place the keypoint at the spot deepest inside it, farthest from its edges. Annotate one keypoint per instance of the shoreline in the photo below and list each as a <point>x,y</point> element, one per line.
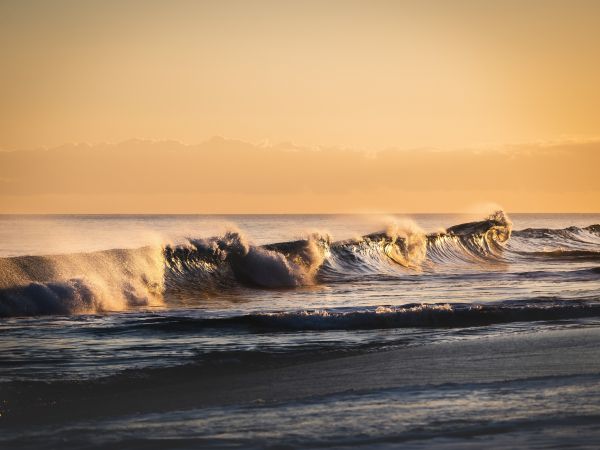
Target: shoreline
<point>542,354</point>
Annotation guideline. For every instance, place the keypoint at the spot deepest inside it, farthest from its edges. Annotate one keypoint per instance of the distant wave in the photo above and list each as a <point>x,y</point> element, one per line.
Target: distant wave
<point>568,233</point>
<point>567,244</point>
<point>119,279</point>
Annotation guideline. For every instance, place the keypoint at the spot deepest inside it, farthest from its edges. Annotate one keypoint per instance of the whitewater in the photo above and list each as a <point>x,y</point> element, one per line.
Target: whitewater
<point>237,331</point>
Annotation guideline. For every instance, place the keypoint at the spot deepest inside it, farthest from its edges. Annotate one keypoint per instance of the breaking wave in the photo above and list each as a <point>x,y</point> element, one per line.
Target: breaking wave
<point>83,283</point>
<point>418,315</point>
<point>568,244</point>
<point>115,280</point>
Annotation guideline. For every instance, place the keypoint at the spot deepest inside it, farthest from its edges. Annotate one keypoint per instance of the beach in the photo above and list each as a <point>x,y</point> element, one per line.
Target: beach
<point>560,367</point>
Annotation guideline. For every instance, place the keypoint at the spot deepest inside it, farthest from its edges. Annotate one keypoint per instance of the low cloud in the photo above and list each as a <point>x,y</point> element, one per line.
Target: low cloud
<point>235,171</point>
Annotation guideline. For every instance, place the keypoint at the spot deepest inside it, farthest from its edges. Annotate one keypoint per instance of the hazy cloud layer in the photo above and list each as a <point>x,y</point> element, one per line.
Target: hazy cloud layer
<point>232,176</point>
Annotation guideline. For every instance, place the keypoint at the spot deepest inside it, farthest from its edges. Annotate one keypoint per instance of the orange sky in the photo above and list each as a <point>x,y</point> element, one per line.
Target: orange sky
<point>461,77</point>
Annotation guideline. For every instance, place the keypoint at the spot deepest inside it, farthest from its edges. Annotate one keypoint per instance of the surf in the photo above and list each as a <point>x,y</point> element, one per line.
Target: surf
<point>155,276</point>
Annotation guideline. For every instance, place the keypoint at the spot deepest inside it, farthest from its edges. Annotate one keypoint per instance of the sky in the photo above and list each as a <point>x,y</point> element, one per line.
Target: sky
<point>353,81</point>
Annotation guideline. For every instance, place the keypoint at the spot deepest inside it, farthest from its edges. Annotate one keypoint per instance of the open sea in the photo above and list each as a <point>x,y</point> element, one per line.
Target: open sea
<point>300,331</point>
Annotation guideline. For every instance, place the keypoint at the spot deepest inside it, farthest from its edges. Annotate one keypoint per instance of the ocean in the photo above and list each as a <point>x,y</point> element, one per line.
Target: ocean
<point>300,331</point>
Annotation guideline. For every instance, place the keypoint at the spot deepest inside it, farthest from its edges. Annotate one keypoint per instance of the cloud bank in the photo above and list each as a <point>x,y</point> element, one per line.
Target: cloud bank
<point>230,176</point>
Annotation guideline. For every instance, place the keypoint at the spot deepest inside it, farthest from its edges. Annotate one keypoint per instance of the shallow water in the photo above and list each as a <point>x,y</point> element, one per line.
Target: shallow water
<point>128,295</point>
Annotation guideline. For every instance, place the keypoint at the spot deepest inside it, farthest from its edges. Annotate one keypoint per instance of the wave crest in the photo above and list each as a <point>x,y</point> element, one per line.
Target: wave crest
<point>111,280</point>
<point>115,280</point>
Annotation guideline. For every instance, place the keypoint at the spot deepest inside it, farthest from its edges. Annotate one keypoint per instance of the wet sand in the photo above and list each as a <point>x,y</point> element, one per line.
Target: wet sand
<point>557,353</point>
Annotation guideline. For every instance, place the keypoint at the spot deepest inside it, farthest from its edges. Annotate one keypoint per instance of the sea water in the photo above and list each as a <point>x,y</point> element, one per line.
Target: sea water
<point>87,300</point>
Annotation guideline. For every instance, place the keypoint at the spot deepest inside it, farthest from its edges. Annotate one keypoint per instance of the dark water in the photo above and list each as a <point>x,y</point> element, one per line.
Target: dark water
<point>87,300</point>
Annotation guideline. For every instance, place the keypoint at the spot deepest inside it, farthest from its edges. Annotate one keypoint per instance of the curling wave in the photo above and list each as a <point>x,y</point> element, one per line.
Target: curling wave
<point>116,280</point>
<point>567,244</point>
